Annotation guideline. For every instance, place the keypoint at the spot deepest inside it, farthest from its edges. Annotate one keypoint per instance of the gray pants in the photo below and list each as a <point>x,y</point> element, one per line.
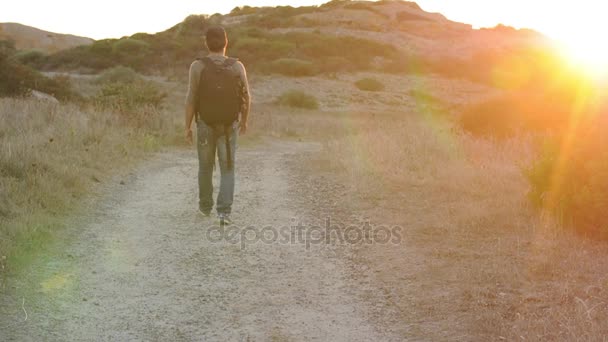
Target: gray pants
<point>211,139</point>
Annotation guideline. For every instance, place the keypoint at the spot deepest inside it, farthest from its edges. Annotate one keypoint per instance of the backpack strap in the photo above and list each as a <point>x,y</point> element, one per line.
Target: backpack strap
<point>206,61</point>
<point>230,61</point>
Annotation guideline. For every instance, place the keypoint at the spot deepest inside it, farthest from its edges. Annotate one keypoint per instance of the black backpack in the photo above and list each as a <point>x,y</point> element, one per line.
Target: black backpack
<point>219,94</point>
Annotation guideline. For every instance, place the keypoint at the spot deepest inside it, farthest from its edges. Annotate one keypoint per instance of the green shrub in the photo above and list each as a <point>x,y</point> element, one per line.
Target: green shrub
<point>119,74</point>
<point>292,67</point>
<point>280,16</point>
<point>359,52</point>
<point>249,42</point>
<point>571,180</point>
<point>13,76</point>
<point>33,58</point>
<point>97,56</point>
<point>243,10</point>
<point>254,50</point>
<point>369,84</point>
<point>298,99</point>
<point>130,46</point>
<point>130,98</point>
<point>17,79</point>
<point>59,86</point>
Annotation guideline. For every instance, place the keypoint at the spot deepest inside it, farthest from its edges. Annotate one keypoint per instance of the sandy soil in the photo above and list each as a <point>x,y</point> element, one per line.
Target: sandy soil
<point>142,265</point>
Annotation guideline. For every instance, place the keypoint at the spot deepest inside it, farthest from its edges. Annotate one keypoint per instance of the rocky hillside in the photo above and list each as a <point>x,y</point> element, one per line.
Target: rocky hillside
<point>400,23</point>
<point>26,37</point>
<point>341,36</point>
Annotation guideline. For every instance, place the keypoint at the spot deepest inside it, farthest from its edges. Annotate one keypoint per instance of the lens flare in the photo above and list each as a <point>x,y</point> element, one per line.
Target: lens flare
<point>587,52</point>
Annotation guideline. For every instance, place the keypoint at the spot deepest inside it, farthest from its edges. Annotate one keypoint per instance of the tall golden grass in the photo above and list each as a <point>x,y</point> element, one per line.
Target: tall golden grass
<point>482,257</point>
<point>52,155</point>
<point>474,252</point>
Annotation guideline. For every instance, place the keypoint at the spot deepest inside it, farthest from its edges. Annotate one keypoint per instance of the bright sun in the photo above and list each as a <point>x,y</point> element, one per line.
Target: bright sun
<point>587,52</point>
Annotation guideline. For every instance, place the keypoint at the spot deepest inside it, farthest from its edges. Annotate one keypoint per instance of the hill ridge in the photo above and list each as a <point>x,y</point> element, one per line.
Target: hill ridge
<point>29,37</point>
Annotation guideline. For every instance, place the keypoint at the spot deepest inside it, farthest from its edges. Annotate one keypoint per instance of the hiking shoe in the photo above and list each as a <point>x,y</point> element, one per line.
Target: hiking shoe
<point>224,219</point>
<point>204,213</point>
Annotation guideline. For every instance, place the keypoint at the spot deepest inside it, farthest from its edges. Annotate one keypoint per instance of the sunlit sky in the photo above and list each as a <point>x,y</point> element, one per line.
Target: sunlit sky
<point>577,23</point>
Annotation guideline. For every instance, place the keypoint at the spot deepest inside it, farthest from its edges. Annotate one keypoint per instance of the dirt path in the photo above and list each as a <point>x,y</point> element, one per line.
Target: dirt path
<point>145,266</point>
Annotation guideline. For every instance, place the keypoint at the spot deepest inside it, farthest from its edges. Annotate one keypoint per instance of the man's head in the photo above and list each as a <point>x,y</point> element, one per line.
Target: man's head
<point>216,39</point>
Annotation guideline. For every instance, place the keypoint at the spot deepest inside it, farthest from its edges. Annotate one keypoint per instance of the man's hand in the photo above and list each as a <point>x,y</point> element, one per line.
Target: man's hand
<point>243,128</point>
<point>189,139</point>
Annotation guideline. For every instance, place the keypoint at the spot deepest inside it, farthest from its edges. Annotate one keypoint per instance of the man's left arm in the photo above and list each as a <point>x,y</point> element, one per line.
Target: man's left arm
<point>245,98</point>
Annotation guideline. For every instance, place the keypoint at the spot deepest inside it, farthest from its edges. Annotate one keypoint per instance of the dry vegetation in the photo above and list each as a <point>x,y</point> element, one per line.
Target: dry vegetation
<point>477,261</point>
<point>53,155</point>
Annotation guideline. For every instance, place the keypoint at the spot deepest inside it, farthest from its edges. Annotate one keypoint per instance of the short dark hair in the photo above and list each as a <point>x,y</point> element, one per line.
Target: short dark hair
<point>216,39</point>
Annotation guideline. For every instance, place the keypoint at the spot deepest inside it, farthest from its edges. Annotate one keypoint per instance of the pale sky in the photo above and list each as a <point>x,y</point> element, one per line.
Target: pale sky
<point>115,18</point>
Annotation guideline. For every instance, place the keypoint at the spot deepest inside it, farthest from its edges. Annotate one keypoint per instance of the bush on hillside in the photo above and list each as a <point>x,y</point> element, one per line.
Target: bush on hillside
<point>59,86</point>
<point>13,76</point>
<point>130,46</point>
<point>32,58</point>
<point>243,10</point>
<point>17,79</point>
<point>130,98</point>
<point>359,52</point>
<point>291,67</point>
<point>298,99</point>
<point>255,46</point>
<point>97,56</point>
<point>280,16</point>
<point>142,52</point>
<point>119,74</point>
<point>369,84</point>
<point>256,50</point>
<point>571,180</point>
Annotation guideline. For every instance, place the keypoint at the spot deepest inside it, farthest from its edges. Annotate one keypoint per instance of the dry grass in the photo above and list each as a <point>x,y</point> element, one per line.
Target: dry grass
<point>51,156</point>
<point>284,122</point>
<point>476,262</point>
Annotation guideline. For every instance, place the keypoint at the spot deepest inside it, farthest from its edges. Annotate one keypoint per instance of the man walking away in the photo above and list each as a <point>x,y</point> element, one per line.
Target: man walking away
<point>218,97</point>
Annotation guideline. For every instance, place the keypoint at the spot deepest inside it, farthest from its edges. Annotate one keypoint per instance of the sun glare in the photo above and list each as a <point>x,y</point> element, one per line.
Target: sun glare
<point>586,52</point>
